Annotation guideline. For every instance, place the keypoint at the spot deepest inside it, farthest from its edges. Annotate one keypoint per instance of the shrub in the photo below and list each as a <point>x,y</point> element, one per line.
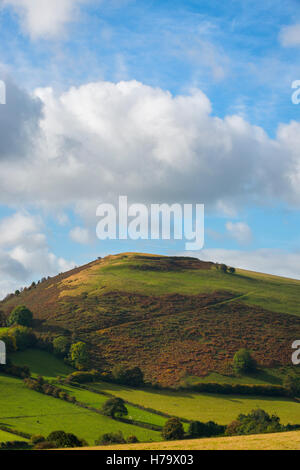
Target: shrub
<point>198,429</point>
<point>45,445</point>
<point>173,429</point>
<point>82,377</point>
<point>132,440</point>
<point>133,377</point>
<point>292,384</point>
<point>37,439</point>
<point>79,355</point>
<point>256,422</point>
<point>111,438</point>
<point>24,337</point>
<point>21,315</point>
<point>114,407</point>
<point>62,439</point>
<point>243,362</point>
<point>61,346</point>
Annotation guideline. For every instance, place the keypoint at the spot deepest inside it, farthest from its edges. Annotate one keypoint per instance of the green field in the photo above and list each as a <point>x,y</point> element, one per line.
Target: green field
<point>41,363</point>
<point>8,437</point>
<point>35,413</point>
<point>205,407</point>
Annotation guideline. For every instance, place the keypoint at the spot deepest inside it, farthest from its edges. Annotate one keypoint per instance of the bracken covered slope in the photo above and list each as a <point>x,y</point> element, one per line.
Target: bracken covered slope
<point>169,315</point>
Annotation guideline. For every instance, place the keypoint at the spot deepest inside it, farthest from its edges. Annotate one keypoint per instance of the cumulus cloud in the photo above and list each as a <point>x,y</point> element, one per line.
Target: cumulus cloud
<point>45,18</point>
<point>24,252</point>
<point>277,262</point>
<point>240,231</point>
<point>290,35</point>
<point>104,139</point>
<point>19,121</point>
<point>80,235</point>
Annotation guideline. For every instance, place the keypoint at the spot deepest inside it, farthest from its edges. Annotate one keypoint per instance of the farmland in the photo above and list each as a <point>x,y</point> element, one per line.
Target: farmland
<point>33,413</point>
<point>205,407</point>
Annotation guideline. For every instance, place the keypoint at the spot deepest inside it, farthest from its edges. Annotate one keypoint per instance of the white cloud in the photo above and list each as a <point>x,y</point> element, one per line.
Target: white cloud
<point>80,235</point>
<point>103,139</point>
<point>240,231</point>
<point>45,18</point>
<point>24,252</point>
<point>290,35</point>
<point>277,262</point>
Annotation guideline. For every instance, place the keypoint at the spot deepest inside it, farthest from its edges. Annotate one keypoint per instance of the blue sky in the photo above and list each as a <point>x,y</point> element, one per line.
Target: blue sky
<point>204,115</point>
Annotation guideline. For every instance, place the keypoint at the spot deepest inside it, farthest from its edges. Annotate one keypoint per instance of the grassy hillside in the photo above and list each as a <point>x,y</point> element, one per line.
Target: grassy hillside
<point>8,437</point>
<point>170,316</point>
<point>279,441</point>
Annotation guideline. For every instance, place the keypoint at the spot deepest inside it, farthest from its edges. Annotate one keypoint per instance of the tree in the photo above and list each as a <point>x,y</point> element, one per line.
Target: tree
<point>79,355</point>
<point>114,407</point>
<point>63,439</point>
<point>24,337</point>
<point>111,438</point>
<point>173,430</point>
<point>256,422</point>
<point>127,376</point>
<point>21,315</point>
<point>9,339</point>
<point>198,429</point>
<point>223,268</point>
<point>243,362</point>
<point>292,384</point>
<point>61,345</point>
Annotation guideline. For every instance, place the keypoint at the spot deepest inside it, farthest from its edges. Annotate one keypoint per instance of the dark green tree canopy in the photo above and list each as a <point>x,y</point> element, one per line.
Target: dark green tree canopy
<point>173,429</point>
<point>21,315</point>
<point>79,355</point>
<point>243,362</point>
<point>114,407</point>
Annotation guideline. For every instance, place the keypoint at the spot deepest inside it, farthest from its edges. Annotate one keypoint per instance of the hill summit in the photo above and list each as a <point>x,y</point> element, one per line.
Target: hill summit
<point>171,316</point>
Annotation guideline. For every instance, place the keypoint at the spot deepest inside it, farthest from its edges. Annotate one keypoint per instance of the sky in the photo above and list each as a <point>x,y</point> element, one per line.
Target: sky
<point>178,101</point>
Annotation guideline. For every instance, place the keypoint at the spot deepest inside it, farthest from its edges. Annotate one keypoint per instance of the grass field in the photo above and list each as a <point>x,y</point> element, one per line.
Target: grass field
<point>35,413</point>
<point>8,437</point>
<point>205,407</point>
<point>278,441</point>
<point>41,363</point>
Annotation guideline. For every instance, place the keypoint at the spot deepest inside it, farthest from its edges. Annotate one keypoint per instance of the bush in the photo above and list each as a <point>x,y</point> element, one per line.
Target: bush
<point>173,430</point>
<point>24,337</point>
<point>82,377</point>
<point>292,384</point>
<point>243,362</point>
<point>256,422</point>
<point>61,346</point>
<point>79,355</point>
<point>37,439</point>
<point>21,315</point>
<point>114,407</point>
<point>132,440</point>
<point>62,439</point>
<point>14,445</point>
<point>198,429</point>
<point>45,445</point>
<point>133,377</point>
<point>111,438</point>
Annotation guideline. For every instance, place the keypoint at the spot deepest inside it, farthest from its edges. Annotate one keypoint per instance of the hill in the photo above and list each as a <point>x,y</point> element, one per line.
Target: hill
<point>171,316</point>
<point>278,441</point>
